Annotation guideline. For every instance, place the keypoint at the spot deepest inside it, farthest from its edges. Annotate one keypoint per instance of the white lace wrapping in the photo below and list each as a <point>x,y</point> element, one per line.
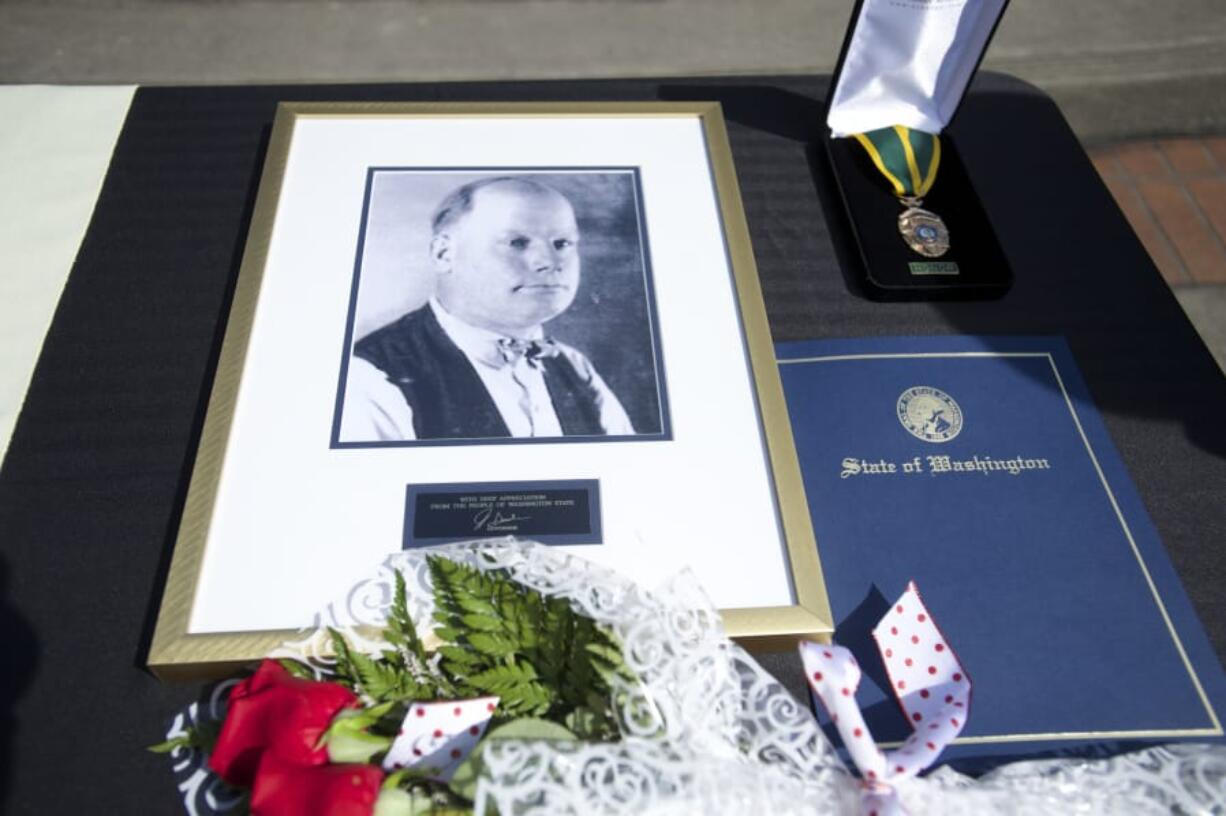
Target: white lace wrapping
<point>708,730</point>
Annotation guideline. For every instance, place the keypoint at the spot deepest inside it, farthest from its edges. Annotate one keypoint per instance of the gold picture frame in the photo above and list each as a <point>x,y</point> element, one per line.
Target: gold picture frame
<point>177,651</point>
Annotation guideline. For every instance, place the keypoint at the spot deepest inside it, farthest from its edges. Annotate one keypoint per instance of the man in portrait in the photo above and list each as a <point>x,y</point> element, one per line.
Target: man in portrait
<point>475,361</point>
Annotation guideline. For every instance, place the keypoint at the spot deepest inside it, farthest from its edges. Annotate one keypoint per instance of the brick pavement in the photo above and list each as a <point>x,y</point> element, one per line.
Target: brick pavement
<point>1173,192</point>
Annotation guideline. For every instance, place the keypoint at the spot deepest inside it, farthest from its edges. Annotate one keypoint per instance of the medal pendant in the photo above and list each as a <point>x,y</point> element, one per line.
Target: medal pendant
<point>924,231</point>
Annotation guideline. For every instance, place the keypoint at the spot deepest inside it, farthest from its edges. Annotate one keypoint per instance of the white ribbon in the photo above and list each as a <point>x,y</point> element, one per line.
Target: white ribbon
<point>439,736</point>
<point>926,678</point>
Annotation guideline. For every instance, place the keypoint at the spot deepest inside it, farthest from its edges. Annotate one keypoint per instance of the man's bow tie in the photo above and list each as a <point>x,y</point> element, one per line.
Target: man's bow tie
<point>531,350</point>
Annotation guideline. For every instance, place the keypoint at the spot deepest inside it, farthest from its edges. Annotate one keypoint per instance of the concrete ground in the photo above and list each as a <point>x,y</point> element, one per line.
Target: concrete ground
<point>1125,72</point>
<point>1119,68</point>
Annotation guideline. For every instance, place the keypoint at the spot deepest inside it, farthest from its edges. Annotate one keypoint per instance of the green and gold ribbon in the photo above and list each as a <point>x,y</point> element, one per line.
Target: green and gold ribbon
<point>907,158</point>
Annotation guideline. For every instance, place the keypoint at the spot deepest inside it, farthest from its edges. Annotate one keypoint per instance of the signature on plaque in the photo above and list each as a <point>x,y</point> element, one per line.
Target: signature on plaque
<point>495,521</point>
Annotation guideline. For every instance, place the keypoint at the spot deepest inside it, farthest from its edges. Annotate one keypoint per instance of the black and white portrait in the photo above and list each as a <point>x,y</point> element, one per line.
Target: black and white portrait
<point>501,305</point>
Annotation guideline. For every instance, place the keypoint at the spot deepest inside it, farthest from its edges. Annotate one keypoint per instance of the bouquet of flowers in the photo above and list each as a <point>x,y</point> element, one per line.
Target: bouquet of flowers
<point>509,677</point>
<point>393,733</point>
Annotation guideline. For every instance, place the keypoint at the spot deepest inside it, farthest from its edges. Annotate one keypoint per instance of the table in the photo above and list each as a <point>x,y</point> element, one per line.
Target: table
<point>98,464</point>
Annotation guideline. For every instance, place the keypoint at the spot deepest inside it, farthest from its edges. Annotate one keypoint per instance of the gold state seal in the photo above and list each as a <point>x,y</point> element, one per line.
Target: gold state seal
<point>929,414</point>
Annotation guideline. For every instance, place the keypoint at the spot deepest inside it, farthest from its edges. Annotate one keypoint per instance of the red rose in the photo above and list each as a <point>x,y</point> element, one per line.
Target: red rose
<point>273,711</point>
<point>285,789</point>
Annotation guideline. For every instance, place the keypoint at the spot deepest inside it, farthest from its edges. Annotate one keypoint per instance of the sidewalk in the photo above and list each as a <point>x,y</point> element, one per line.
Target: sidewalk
<point>1173,192</point>
<point>1118,70</point>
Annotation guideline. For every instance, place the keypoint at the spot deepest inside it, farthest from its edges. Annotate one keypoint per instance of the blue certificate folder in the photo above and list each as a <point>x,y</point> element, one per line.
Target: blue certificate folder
<point>980,468</point>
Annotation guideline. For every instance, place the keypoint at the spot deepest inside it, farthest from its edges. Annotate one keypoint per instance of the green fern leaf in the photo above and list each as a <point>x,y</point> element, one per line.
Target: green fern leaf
<point>501,678</point>
<point>491,644</point>
<point>346,674</point>
<point>476,606</point>
<point>483,623</point>
<point>401,630</point>
<point>296,669</point>
<point>447,633</point>
<point>458,654</point>
<point>377,680</point>
<point>538,654</point>
<point>526,699</point>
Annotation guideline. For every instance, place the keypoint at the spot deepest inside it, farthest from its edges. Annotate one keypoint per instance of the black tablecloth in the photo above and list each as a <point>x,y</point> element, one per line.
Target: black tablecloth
<point>97,468</point>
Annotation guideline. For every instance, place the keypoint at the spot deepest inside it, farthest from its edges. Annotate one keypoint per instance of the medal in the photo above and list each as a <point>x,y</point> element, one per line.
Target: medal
<point>923,231</point>
<point>909,159</point>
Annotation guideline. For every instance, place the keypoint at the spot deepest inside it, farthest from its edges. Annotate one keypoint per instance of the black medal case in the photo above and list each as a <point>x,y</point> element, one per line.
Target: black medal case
<point>862,210</point>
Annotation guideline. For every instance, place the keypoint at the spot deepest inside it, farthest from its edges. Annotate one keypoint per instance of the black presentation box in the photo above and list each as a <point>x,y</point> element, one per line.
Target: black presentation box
<point>891,72</point>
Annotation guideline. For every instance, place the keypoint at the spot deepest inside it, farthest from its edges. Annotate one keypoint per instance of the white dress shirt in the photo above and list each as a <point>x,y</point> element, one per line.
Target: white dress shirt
<point>376,410</point>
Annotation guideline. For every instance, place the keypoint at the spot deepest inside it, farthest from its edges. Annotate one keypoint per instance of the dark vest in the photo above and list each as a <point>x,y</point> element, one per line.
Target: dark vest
<point>448,399</point>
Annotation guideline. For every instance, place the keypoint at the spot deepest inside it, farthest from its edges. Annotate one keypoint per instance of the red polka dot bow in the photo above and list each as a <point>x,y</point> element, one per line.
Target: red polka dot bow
<point>436,737</point>
<point>926,678</point>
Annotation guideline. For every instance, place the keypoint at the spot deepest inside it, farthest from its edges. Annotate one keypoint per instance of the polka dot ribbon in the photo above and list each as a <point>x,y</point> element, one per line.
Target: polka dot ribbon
<point>438,736</point>
<point>927,680</point>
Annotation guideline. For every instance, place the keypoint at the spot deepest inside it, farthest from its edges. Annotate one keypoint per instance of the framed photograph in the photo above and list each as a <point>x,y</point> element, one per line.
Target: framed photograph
<point>433,265</point>
<point>457,321</point>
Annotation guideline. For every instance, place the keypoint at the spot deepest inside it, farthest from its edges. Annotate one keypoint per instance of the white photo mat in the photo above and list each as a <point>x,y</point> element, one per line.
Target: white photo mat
<point>296,521</point>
